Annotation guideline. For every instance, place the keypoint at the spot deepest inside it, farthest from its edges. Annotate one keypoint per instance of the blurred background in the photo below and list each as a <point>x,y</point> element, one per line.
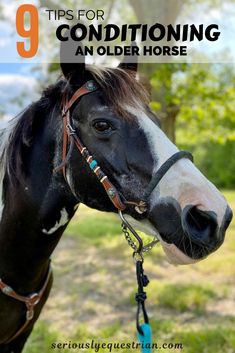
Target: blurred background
<point>94,287</point>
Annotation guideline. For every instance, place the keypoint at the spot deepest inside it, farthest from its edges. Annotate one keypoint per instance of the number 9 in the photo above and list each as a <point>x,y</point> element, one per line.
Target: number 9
<point>31,33</point>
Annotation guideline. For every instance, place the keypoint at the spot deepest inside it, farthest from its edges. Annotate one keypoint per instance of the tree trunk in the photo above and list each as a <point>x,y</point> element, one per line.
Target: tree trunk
<point>167,12</point>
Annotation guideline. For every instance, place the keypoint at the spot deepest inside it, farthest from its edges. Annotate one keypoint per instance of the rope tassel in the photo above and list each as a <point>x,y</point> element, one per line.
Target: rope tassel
<point>145,339</point>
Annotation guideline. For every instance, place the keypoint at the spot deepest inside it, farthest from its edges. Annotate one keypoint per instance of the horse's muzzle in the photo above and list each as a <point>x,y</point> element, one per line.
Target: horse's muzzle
<point>195,233</point>
<point>202,227</point>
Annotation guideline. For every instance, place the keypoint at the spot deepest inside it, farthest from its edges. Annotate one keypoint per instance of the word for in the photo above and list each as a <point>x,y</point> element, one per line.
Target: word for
<point>71,15</point>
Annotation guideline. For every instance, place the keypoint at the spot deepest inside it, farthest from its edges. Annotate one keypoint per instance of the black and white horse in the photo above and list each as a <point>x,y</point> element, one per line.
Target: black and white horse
<point>185,211</point>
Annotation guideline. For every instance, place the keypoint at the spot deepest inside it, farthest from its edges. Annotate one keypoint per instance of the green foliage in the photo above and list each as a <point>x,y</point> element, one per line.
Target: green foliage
<point>207,103</point>
<point>215,160</point>
<point>201,98</point>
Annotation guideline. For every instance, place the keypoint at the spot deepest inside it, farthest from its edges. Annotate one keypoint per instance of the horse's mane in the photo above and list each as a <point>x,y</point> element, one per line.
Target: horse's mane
<point>17,134</point>
<point>120,89</point>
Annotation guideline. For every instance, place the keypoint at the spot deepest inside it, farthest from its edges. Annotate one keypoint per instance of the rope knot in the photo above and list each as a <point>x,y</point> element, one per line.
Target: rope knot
<point>145,280</point>
<point>140,297</point>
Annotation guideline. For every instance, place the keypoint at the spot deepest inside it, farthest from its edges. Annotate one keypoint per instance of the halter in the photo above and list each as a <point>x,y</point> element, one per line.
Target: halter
<point>70,138</point>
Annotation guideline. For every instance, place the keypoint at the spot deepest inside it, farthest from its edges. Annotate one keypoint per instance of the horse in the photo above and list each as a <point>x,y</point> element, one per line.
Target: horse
<point>47,170</point>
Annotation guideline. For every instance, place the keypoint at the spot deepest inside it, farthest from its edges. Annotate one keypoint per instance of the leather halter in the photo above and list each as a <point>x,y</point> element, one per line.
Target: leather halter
<point>30,301</point>
<point>70,138</point>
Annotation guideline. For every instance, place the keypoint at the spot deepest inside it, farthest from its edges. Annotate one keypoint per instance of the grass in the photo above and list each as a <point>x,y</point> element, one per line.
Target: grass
<point>95,227</point>
<point>94,287</point>
<point>41,339</point>
<point>184,297</point>
<point>208,340</point>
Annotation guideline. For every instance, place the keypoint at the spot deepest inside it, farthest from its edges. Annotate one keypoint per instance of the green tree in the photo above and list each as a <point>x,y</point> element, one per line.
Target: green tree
<point>205,95</point>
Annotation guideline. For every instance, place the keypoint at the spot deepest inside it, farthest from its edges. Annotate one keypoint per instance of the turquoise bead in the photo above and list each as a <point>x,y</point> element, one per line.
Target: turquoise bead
<point>93,164</point>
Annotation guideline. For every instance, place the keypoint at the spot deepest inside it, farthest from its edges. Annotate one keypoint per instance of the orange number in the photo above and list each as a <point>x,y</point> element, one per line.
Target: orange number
<point>31,32</point>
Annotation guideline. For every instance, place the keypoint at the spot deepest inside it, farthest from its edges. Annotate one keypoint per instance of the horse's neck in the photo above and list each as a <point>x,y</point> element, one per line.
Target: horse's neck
<point>28,236</point>
<point>35,215</point>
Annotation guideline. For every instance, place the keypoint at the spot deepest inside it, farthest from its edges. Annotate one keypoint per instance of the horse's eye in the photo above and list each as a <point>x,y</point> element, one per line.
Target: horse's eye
<point>102,126</point>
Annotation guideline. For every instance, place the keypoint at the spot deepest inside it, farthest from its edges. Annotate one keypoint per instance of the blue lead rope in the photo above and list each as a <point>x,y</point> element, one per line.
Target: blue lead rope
<point>144,332</point>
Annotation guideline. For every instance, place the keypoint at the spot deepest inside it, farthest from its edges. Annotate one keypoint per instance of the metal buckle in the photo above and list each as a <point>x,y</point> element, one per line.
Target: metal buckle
<point>70,129</point>
<point>138,257</point>
<point>111,192</point>
<point>30,314</point>
<point>141,207</point>
<point>7,290</point>
<point>34,299</point>
<point>63,112</point>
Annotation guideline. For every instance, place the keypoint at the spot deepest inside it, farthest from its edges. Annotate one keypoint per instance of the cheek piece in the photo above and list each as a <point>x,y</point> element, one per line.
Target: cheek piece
<point>70,140</point>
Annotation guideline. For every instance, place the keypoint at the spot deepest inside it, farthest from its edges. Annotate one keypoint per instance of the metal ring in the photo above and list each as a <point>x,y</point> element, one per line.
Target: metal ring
<point>138,256</point>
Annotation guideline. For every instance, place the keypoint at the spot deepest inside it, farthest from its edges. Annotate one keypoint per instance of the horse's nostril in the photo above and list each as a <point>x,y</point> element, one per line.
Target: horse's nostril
<point>199,225</point>
<point>227,219</point>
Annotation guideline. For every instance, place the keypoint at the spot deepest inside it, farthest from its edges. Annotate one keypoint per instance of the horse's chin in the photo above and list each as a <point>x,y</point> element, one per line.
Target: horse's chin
<point>174,255</point>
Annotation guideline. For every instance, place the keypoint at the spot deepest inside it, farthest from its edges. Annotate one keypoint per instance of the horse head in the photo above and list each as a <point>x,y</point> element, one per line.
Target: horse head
<point>184,210</point>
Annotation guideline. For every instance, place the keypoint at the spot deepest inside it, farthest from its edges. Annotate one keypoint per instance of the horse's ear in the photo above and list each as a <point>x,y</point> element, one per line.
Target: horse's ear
<point>72,66</point>
<point>130,62</point>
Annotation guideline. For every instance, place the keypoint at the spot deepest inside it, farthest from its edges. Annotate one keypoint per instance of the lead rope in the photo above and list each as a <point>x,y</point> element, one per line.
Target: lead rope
<point>144,331</point>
